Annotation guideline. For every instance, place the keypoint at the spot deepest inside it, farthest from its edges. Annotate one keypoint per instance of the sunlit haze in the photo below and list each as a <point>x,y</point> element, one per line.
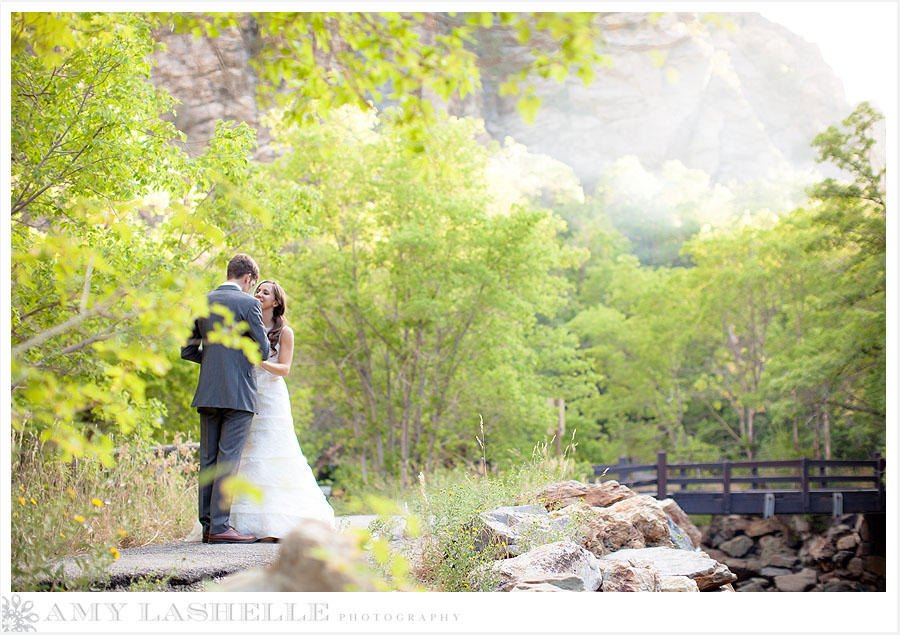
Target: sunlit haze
<point>857,40</point>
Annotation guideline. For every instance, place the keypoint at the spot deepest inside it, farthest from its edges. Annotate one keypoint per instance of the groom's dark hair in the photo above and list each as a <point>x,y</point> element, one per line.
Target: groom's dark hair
<point>240,265</point>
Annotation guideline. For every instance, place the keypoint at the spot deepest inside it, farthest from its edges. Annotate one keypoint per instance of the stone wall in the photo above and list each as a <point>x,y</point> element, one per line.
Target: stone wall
<point>800,553</point>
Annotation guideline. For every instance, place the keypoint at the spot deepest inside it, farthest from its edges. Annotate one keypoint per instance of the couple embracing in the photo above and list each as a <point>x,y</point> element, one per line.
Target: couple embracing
<point>246,427</point>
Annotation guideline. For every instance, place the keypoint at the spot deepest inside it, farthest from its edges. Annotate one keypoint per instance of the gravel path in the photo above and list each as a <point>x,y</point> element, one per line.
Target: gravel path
<point>187,565</point>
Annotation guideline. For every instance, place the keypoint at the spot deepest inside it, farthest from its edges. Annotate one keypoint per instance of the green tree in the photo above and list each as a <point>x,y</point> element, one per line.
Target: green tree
<point>112,228</point>
<point>837,364</point>
<point>415,304</point>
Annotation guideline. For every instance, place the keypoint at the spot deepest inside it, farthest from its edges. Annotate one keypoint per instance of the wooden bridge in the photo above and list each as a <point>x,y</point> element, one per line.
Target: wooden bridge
<point>749,487</point>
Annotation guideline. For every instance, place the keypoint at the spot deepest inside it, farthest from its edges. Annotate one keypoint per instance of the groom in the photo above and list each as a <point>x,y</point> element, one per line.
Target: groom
<point>226,395</point>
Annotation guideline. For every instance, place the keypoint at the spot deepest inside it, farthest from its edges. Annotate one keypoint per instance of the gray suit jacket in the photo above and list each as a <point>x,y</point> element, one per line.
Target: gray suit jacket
<point>227,379</point>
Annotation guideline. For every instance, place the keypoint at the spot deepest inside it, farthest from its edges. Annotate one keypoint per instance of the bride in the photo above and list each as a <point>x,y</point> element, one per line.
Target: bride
<point>272,459</point>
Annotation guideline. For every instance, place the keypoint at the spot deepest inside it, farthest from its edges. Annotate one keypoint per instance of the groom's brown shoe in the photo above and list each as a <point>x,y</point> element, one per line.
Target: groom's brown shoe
<point>231,536</point>
<point>205,538</point>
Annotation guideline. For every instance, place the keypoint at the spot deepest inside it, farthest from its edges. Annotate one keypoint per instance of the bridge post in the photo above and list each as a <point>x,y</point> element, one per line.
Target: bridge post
<point>661,474</point>
<point>623,460</point>
<point>879,482</point>
<point>804,484</point>
<point>726,486</point>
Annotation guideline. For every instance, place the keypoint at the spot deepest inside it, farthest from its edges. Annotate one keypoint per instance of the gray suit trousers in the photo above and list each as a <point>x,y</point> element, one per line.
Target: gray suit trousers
<point>222,435</point>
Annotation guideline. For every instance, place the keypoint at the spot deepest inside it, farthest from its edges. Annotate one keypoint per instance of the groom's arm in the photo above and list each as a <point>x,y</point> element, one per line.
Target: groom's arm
<point>191,351</point>
<point>257,331</point>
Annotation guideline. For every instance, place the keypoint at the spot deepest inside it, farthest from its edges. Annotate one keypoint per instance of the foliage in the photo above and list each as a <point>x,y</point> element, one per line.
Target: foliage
<point>113,231</point>
<point>313,63</point>
<point>771,341</point>
<point>85,509</point>
<point>451,555</point>
<point>418,307</point>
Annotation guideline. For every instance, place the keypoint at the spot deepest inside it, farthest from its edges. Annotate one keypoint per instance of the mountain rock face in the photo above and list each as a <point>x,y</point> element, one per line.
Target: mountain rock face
<point>740,99</point>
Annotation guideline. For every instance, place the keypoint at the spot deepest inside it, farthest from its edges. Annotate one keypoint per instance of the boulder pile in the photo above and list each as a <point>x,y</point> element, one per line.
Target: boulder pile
<point>595,537</point>
<point>788,554</point>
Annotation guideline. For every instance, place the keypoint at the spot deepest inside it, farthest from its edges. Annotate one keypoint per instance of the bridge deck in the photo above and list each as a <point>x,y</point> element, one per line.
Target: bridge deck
<point>817,501</point>
<point>826,491</point>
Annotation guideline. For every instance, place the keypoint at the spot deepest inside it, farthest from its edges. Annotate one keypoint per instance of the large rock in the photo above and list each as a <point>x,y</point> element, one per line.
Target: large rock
<point>677,537</point>
<point>765,526</point>
<point>677,583</point>
<point>314,557</point>
<point>742,568</point>
<point>772,544</point>
<point>779,559</point>
<point>847,542</point>
<point>706,572</point>
<point>751,586</point>
<point>723,528</point>
<point>629,575</point>
<point>856,567</point>
<point>774,552</point>
<point>876,565</point>
<point>774,572</point>
<point>647,516</point>
<point>602,531</point>
<point>550,582</point>
<point>546,562</point>
<point>797,582</point>
<point>820,548</point>
<point>800,525</point>
<point>841,586</point>
<point>837,531</point>
<point>518,528</point>
<point>738,546</point>
<point>673,511</point>
<point>715,554</point>
<point>565,493</point>
<point>862,528</point>
<point>841,558</point>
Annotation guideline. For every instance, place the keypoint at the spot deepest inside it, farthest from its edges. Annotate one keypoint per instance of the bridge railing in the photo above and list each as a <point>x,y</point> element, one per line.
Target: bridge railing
<point>800,484</point>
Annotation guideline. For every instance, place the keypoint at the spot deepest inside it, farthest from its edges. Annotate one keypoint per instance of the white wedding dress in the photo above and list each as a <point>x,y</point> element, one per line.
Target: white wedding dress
<point>273,461</point>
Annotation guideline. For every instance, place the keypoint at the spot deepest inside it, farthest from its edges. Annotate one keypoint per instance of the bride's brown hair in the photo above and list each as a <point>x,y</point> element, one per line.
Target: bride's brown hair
<point>278,321</point>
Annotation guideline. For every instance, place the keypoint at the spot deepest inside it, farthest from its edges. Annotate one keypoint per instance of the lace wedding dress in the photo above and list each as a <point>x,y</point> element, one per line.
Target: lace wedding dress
<point>273,461</point>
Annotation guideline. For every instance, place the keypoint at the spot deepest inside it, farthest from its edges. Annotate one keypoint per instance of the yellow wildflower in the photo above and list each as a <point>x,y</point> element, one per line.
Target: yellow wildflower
<point>62,534</point>
<point>22,500</point>
<point>123,533</point>
<point>16,514</point>
<point>22,487</point>
<point>33,502</point>
<point>79,519</point>
<point>96,502</point>
<point>114,552</point>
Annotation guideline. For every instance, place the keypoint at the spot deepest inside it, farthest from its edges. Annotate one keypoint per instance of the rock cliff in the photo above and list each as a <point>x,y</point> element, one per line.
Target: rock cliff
<point>739,99</point>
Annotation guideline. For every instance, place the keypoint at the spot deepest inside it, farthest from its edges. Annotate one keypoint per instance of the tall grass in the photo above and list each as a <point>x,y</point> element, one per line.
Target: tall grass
<point>450,556</point>
<point>84,509</point>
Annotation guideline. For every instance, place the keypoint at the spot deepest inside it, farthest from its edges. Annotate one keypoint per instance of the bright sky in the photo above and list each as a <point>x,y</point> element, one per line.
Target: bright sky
<point>857,39</point>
